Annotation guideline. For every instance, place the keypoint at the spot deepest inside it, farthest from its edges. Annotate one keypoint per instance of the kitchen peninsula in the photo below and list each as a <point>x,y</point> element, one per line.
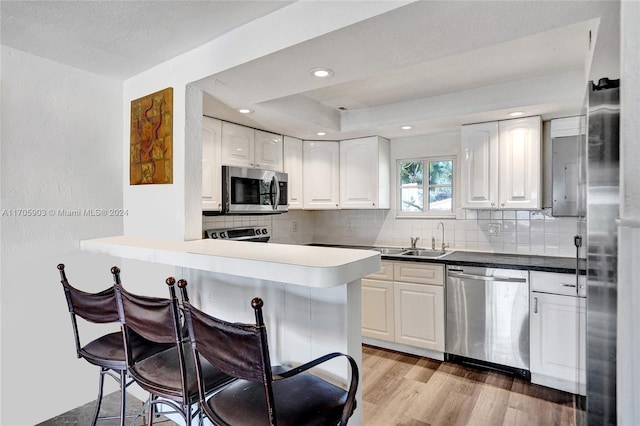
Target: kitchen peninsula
<point>312,295</point>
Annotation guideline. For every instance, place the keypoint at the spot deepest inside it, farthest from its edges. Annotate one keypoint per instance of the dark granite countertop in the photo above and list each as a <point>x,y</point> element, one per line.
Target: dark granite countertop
<point>565,265</point>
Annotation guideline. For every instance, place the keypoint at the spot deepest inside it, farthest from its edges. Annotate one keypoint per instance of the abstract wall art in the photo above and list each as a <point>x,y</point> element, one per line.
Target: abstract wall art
<point>151,146</point>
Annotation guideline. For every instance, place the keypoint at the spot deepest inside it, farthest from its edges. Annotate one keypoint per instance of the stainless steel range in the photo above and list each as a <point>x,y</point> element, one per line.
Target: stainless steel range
<point>260,234</point>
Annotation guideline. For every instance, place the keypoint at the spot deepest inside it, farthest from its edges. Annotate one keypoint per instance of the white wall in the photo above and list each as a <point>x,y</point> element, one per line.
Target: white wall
<point>628,363</point>
<point>61,149</point>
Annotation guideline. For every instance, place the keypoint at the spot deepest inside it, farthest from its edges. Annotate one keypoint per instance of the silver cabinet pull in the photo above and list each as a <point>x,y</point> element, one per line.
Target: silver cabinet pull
<point>535,305</point>
<point>567,285</point>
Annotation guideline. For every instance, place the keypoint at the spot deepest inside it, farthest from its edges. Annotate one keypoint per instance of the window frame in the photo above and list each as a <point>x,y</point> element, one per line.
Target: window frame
<point>426,213</point>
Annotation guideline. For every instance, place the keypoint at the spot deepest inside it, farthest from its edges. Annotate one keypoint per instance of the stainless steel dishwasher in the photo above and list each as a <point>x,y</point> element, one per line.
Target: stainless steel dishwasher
<point>488,318</point>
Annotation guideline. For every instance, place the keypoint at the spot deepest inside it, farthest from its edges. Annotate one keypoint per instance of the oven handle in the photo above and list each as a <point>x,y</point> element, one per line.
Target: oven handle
<point>274,200</point>
<point>486,278</point>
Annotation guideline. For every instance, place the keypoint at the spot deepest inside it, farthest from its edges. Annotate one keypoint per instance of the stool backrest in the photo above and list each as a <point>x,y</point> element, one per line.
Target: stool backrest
<point>99,308</point>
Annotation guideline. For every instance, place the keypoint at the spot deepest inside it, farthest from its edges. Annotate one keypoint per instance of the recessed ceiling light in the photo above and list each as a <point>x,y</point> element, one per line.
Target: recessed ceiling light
<point>407,127</point>
<point>321,133</point>
<point>516,114</point>
<point>245,110</point>
<point>321,72</point>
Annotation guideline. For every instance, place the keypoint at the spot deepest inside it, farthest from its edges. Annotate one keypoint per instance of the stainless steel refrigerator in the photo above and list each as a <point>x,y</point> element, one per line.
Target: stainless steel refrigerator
<point>600,177</point>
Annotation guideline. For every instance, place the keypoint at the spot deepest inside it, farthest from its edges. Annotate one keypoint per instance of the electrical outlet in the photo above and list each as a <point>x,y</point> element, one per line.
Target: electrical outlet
<point>295,226</point>
<point>494,229</point>
<point>349,226</point>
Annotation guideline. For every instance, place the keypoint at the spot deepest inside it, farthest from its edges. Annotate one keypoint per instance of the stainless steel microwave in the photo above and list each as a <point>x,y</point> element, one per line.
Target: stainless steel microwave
<point>253,191</point>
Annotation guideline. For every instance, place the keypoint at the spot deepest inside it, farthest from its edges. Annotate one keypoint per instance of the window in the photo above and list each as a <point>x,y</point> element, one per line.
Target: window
<point>437,185</point>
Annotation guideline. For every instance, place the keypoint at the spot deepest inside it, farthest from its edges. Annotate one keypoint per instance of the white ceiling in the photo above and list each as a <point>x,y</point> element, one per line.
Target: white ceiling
<point>121,38</point>
<point>431,64</point>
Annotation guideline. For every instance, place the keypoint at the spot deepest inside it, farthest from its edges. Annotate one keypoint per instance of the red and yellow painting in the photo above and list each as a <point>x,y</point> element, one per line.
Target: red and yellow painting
<point>151,148</point>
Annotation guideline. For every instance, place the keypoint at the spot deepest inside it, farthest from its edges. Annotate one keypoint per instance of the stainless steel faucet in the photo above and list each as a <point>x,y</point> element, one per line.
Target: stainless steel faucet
<point>444,245</point>
<point>414,240</point>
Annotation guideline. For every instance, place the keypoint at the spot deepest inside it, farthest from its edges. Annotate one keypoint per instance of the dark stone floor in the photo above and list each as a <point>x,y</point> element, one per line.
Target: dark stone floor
<point>82,416</point>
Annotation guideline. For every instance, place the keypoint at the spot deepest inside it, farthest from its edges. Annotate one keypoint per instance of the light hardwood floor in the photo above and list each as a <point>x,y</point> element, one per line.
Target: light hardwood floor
<point>407,390</point>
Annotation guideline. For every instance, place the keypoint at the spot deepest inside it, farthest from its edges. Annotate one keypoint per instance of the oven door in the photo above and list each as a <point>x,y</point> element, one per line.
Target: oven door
<point>253,191</point>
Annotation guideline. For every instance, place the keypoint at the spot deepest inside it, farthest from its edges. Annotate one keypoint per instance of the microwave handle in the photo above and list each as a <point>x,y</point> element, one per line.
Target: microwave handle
<point>276,198</point>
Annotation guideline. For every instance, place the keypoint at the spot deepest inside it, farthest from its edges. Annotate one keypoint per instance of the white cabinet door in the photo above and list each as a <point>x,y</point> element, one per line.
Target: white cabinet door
<point>293,162</point>
<point>237,145</point>
<point>479,171</point>
<point>377,309</point>
<point>364,173</point>
<point>419,315</point>
<point>211,164</point>
<point>520,166</point>
<point>268,151</point>
<point>321,179</point>
<point>419,273</point>
<point>557,334</point>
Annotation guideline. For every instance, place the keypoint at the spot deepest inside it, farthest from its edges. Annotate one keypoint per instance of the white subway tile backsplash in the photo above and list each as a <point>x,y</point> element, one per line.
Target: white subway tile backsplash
<point>521,231</point>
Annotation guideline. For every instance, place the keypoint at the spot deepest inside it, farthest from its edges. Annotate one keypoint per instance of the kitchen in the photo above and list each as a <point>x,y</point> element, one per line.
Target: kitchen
<point>177,222</point>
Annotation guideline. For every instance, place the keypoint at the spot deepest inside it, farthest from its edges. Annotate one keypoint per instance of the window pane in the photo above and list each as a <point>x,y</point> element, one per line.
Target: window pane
<point>411,172</point>
<point>440,172</point>
<point>440,198</point>
<point>411,189</point>
<point>412,198</point>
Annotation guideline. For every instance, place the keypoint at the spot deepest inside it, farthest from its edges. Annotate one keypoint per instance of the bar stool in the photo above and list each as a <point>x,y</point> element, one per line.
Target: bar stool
<point>107,351</point>
<point>262,394</point>
<point>169,376</point>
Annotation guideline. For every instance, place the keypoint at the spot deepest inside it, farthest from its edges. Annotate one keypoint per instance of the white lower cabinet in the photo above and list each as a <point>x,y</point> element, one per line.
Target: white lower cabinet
<point>377,309</point>
<point>557,333</point>
<point>419,313</point>
<point>404,304</point>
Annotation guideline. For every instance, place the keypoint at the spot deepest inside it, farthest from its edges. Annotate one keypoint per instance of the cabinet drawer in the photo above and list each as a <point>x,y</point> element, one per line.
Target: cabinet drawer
<point>554,283</point>
<point>385,272</point>
<point>419,273</point>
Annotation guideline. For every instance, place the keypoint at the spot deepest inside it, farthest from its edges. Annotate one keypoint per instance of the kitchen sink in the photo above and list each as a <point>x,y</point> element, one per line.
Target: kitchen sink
<point>433,254</point>
<point>390,251</point>
<point>407,252</point>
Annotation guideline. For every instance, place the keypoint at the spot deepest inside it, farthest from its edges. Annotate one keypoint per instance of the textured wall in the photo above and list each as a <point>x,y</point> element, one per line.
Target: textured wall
<point>61,157</point>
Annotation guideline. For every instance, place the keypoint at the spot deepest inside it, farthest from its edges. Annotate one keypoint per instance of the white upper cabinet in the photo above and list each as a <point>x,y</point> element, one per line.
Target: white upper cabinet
<point>237,145</point>
<point>211,164</point>
<point>321,175</point>
<point>293,162</point>
<point>364,173</point>
<point>520,165</point>
<point>501,165</point>
<point>268,151</point>
<point>479,171</point>
<point>245,147</point>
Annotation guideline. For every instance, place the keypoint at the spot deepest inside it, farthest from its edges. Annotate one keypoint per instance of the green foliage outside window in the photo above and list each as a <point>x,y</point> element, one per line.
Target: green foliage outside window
<point>439,186</point>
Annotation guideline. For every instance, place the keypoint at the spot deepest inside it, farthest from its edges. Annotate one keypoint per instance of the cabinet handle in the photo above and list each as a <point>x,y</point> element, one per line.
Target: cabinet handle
<point>502,204</point>
<point>567,285</point>
<point>535,305</point>
<point>493,204</point>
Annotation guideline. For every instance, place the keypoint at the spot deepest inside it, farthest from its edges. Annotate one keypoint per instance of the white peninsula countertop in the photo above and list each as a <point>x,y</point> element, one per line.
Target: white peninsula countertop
<point>308,266</point>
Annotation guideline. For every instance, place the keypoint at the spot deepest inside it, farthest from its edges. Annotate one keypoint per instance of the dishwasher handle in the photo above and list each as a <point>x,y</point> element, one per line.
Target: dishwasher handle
<point>486,278</point>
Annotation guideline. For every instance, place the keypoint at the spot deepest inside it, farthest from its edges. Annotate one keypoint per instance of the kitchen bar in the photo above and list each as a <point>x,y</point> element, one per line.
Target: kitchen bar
<point>312,295</point>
